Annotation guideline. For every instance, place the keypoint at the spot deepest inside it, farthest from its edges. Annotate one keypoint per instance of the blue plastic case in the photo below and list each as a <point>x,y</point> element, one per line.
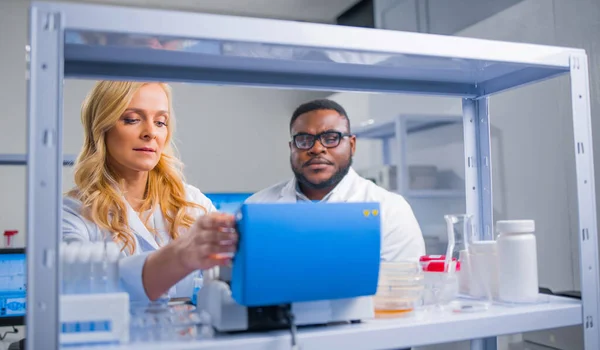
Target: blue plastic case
<point>293,252</point>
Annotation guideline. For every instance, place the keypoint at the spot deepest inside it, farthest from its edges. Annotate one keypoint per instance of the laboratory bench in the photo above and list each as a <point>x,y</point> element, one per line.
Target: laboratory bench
<point>417,329</point>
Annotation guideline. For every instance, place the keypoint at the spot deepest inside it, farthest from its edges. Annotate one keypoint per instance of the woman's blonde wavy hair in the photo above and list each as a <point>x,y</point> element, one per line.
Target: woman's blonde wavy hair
<point>98,185</point>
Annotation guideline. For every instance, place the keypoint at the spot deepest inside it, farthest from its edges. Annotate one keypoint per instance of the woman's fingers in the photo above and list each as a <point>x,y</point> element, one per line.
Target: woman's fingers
<point>217,262</point>
<point>213,255</point>
<point>216,220</point>
<point>217,228</point>
<point>216,237</point>
<point>214,240</point>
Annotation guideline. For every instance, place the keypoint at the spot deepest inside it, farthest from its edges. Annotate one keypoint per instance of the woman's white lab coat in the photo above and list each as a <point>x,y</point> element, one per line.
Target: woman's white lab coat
<point>77,228</point>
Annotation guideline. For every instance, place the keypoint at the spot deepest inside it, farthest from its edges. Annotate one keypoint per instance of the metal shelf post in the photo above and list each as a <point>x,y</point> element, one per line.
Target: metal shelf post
<point>478,166</point>
<point>586,200</point>
<point>44,177</point>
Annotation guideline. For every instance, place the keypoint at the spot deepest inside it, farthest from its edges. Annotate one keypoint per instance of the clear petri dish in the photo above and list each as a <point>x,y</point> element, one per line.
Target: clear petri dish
<point>406,280</point>
<point>399,288</point>
<point>468,306</point>
<point>388,307</point>
<point>540,299</point>
<point>162,322</point>
<point>409,291</point>
<point>399,268</point>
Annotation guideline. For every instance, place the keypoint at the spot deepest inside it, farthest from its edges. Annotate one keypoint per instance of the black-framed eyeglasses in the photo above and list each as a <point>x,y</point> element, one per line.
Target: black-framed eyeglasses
<point>329,139</point>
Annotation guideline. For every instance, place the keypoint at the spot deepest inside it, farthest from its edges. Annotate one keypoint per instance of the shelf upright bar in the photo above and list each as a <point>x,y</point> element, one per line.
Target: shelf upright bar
<point>584,157</point>
<point>403,181</point>
<point>486,343</point>
<point>44,176</point>
<point>386,144</point>
<point>478,179</point>
<point>478,165</point>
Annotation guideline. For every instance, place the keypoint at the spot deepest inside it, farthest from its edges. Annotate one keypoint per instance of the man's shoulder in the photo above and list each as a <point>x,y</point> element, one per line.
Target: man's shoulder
<point>268,194</point>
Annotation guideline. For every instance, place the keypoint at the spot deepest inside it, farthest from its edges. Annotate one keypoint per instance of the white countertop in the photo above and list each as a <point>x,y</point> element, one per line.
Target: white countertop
<point>420,328</point>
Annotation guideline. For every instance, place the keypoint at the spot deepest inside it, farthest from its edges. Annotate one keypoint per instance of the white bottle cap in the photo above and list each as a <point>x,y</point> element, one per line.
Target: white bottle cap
<point>61,250</point>
<point>97,251</point>
<point>71,253</point>
<point>112,251</point>
<point>515,226</point>
<point>84,252</point>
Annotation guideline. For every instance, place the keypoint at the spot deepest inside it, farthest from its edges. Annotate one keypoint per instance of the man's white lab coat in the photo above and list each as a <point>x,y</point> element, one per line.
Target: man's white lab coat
<point>401,235</point>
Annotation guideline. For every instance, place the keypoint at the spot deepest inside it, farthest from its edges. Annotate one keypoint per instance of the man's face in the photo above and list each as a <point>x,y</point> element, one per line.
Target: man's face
<point>321,167</point>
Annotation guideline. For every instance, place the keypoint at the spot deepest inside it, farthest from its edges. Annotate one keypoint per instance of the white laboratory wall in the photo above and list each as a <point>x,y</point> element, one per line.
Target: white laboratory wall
<point>536,130</point>
<point>532,142</point>
<point>435,16</point>
<point>357,106</point>
<point>439,147</point>
<point>531,130</point>
<point>230,138</point>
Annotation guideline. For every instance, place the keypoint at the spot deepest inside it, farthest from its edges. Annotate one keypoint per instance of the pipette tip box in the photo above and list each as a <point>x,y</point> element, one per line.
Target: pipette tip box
<point>101,318</point>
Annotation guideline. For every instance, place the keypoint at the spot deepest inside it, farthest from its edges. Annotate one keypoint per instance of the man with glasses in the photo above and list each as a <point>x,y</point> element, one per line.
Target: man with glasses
<point>321,150</point>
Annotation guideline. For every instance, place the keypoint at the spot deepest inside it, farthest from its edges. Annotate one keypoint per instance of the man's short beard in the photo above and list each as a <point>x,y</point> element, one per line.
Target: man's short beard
<point>331,182</point>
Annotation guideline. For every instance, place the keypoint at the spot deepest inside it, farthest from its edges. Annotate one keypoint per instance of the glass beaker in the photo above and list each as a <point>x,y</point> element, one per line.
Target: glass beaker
<point>461,235</point>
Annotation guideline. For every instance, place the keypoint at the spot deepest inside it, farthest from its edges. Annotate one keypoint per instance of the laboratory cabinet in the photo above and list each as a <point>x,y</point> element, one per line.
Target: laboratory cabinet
<point>70,40</point>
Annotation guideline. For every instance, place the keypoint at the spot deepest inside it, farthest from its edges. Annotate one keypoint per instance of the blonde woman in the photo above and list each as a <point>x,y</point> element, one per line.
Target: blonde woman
<point>129,189</point>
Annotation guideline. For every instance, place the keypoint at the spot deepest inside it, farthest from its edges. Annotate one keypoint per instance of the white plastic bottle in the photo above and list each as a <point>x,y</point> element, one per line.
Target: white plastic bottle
<point>97,271</point>
<point>70,270</point>
<point>82,268</point>
<point>64,267</point>
<point>517,261</point>
<point>484,269</point>
<point>112,270</point>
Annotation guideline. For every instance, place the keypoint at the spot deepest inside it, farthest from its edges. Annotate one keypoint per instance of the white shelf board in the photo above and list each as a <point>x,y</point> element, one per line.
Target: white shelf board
<point>21,159</point>
<point>376,130</point>
<point>434,194</point>
<point>387,129</point>
<point>416,330</point>
<point>225,49</point>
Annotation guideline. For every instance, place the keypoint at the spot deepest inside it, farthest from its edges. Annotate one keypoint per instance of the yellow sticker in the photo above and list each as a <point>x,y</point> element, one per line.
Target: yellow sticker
<point>375,212</point>
<point>366,213</point>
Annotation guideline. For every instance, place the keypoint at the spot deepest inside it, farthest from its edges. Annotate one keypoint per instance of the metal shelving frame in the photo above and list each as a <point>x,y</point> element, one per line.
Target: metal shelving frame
<point>395,131</point>
<point>21,159</point>
<point>260,52</point>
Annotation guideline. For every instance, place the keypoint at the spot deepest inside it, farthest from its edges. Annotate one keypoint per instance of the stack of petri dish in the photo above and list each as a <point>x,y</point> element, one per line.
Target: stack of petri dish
<point>168,322</point>
<point>399,289</point>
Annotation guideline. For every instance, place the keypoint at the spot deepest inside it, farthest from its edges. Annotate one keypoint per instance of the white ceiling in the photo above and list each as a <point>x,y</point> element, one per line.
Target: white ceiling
<point>324,11</point>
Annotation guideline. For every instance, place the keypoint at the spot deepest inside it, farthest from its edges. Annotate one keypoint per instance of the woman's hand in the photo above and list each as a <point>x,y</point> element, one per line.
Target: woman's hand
<point>200,248</point>
<point>211,241</point>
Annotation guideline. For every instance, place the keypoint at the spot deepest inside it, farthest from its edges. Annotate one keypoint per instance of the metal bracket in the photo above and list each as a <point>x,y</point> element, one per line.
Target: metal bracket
<point>471,162</point>
<point>585,234</point>
<point>51,21</point>
<point>575,63</point>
